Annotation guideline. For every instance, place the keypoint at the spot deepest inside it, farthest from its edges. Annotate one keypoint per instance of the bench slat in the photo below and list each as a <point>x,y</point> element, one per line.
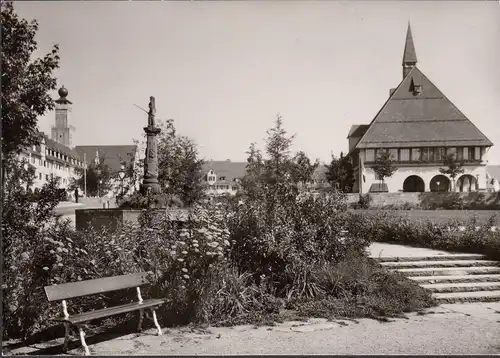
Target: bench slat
<point>110,311</point>
<point>91,287</point>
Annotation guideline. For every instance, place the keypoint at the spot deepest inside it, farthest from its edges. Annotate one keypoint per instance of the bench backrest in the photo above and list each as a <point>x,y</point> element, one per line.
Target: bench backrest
<point>92,287</point>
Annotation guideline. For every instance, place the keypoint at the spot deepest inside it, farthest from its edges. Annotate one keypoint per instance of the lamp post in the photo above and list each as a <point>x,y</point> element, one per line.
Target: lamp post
<point>121,174</point>
<point>99,181</point>
<point>438,185</point>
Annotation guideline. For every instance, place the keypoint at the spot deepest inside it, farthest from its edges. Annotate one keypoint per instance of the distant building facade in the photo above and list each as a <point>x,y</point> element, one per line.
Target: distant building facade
<point>58,157</point>
<point>224,177</point>
<point>418,125</point>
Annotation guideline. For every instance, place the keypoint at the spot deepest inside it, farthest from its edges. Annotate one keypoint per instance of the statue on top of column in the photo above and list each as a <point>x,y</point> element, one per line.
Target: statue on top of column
<point>152,111</point>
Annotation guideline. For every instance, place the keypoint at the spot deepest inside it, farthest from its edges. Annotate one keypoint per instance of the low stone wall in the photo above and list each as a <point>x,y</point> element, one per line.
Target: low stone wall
<point>115,218</point>
<point>472,200</point>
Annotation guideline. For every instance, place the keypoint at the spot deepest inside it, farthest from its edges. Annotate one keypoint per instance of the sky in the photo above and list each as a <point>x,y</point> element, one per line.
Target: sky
<point>224,70</point>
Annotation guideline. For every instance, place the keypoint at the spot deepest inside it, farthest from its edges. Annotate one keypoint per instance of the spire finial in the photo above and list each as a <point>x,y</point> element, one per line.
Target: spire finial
<point>410,55</point>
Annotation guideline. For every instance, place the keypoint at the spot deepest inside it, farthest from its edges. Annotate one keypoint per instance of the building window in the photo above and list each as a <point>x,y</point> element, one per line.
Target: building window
<point>222,178</point>
<point>370,155</point>
<point>460,153</point>
<point>416,155</point>
<point>425,154</point>
<point>32,160</point>
<point>40,176</point>
<point>439,154</point>
<point>472,153</point>
<point>394,154</point>
<point>404,155</point>
<point>46,177</point>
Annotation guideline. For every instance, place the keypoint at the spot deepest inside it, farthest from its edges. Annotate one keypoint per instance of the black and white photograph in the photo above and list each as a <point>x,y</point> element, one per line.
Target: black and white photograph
<point>255,177</point>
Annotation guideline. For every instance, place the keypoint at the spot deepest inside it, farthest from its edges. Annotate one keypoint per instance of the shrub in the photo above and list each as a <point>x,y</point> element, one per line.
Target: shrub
<point>146,201</point>
<point>386,227</point>
<point>357,286</point>
<point>24,225</point>
<point>364,201</point>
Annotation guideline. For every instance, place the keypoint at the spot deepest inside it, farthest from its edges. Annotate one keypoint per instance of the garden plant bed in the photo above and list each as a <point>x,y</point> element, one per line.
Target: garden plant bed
<point>436,216</point>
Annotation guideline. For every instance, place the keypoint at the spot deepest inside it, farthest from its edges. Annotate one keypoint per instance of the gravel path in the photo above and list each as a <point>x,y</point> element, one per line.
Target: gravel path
<point>447,329</point>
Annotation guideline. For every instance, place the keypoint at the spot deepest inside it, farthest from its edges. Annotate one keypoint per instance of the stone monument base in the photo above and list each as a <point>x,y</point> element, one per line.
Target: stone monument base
<point>113,219</point>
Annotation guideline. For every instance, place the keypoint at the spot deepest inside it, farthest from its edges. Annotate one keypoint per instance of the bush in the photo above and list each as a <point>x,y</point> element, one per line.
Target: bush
<point>146,201</point>
<point>364,201</point>
<point>359,287</point>
<point>387,227</point>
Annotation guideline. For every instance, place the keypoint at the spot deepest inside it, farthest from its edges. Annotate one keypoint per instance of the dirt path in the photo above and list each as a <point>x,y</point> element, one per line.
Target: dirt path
<point>448,329</point>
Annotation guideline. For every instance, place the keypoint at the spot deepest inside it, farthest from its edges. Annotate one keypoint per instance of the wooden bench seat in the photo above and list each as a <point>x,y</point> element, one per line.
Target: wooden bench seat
<point>110,311</point>
<point>103,285</point>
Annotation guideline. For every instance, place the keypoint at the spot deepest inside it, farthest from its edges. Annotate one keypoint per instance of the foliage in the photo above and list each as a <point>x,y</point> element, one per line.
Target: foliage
<point>385,226</point>
<point>384,165</point>
<point>340,173</point>
<point>238,260</point>
<point>26,218</point>
<point>358,286</point>
<point>98,176</point>
<point>453,167</point>
<point>139,200</point>
<point>364,201</point>
<point>26,81</point>
<point>180,169</point>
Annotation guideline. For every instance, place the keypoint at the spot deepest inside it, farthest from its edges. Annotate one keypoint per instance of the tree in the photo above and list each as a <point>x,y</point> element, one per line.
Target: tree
<point>384,166</point>
<point>265,176</point>
<point>277,166</point>
<point>26,82</point>
<point>340,173</point>
<point>302,168</point>
<point>180,171</point>
<point>251,182</point>
<point>453,167</point>
<point>98,176</point>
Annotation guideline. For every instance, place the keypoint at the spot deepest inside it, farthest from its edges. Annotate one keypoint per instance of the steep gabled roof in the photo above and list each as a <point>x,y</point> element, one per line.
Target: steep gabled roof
<point>357,130</point>
<point>226,168</point>
<point>429,118</point>
<point>111,155</point>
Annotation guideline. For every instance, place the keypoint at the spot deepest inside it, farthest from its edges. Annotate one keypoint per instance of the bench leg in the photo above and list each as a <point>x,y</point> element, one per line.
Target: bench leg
<point>141,317</point>
<point>156,322</point>
<point>67,333</point>
<point>82,339</point>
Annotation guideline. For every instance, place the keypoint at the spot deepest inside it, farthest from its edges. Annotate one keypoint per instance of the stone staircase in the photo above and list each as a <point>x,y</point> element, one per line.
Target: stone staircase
<point>451,278</point>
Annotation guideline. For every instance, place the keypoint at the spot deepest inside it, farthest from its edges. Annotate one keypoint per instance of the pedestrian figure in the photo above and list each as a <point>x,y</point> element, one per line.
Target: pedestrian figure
<point>76,195</point>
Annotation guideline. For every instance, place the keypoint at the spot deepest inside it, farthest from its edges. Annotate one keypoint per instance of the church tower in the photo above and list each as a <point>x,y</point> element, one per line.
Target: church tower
<point>62,132</point>
<point>410,55</point>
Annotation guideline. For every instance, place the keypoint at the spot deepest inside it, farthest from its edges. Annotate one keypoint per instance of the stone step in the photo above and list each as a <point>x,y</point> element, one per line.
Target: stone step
<point>440,263</point>
<point>431,258</point>
<point>449,271</point>
<point>423,280</point>
<point>454,297</point>
<point>462,287</point>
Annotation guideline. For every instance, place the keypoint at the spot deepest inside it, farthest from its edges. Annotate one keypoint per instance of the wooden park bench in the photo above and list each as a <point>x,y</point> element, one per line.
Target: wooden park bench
<point>91,287</point>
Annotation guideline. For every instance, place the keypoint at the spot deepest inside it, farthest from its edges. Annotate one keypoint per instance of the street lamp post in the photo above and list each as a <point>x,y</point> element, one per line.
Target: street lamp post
<point>438,186</point>
<point>121,174</point>
<point>99,181</point>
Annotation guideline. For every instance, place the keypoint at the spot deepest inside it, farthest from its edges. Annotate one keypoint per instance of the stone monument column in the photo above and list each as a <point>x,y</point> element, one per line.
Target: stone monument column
<point>150,181</point>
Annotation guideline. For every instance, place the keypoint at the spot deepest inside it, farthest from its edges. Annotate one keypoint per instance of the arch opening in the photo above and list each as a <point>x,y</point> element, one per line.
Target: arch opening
<point>467,183</point>
<point>440,184</point>
<point>414,184</point>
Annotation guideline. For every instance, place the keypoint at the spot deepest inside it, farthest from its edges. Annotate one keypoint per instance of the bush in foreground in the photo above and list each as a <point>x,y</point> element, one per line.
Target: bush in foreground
<point>468,236</point>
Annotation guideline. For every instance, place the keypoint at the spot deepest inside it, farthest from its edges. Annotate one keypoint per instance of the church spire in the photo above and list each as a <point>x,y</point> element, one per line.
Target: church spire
<point>410,55</point>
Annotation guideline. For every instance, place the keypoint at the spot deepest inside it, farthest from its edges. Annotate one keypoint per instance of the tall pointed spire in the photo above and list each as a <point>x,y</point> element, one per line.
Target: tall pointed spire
<point>410,55</point>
